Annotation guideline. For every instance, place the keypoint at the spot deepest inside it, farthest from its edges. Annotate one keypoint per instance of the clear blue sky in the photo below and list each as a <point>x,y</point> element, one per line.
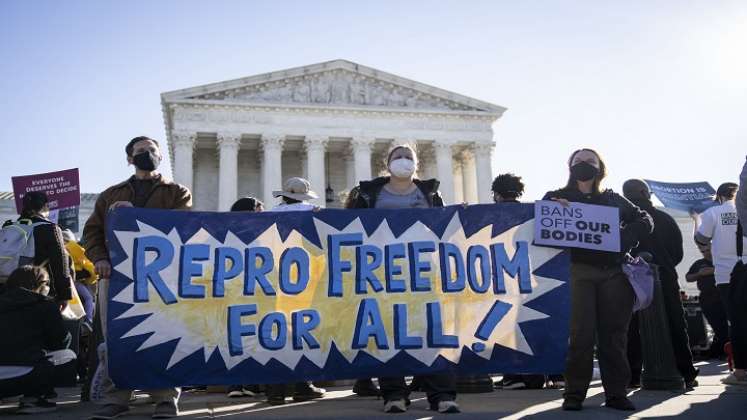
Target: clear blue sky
<point>660,88</point>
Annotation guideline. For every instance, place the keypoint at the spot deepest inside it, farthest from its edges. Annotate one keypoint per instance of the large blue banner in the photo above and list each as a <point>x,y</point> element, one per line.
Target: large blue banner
<point>237,298</point>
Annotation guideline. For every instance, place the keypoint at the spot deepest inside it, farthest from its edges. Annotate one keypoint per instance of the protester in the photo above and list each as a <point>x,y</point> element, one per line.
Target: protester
<point>295,195</point>
<point>401,190</point>
<point>717,226</point>
<point>508,188</point>
<point>84,273</point>
<point>146,188</point>
<point>249,205</point>
<point>601,296</point>
<point>49,248</point>
<point>701,272</point>
<point>31,327</point>
<point>665,245</point>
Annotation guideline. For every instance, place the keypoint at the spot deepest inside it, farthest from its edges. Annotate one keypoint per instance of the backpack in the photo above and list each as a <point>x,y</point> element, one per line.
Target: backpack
<point>16,245</point>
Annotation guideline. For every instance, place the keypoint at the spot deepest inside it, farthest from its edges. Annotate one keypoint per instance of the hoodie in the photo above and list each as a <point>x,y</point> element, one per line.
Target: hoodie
<point>30,325</point>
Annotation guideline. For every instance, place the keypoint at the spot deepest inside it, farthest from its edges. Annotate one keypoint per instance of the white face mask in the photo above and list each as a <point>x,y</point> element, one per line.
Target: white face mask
<point>44,290</point>
<point>402,168</point>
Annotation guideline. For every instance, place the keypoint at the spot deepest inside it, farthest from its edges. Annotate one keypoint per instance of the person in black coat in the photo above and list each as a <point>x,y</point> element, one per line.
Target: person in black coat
<point>30,327</point>
<point>665,245</point>
<point>601,295</point>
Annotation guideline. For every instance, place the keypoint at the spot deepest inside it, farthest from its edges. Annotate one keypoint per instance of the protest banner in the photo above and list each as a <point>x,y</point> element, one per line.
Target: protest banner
<point>237,298</point>
<point>62,188</point>
<point>697,196</point>
<point>577,226</point>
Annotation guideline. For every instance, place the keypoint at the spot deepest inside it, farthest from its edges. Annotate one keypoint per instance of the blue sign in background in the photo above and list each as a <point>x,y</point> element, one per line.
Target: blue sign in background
<point>684,196</point>
<point>147,368</point>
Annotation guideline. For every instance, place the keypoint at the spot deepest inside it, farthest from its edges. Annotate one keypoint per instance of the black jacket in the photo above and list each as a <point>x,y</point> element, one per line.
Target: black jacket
<point>664,243</point>
<point>49,249</point>
<point>365,194</point>
<point>29,324</point>
<point>635,223</point>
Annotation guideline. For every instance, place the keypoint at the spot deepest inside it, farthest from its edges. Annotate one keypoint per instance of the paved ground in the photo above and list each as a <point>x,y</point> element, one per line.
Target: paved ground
<point>710,400</point>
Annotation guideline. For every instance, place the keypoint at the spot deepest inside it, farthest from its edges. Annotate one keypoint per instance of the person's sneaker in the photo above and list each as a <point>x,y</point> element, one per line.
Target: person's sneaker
<point>620,403</point>
<point>395,406</point>
<point>165,410</point>
<point>235,391</point>
<point>733,379</point>
<point>307,391</point>
<point>448,407</point>
<point>510,384</point>
<point>555,382</point>
<point>109,411</point>
<point>366,388</point>
<point>691,384</point>
<point>570,404</point>
<point>38,405</point>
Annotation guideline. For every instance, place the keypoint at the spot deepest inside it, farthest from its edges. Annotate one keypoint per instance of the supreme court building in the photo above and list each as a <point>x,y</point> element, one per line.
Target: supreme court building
<point>331,123</point>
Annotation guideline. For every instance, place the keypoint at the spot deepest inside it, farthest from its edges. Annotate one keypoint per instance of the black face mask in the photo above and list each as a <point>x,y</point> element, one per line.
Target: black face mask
<point>584,171</point>
<point>146,161</point>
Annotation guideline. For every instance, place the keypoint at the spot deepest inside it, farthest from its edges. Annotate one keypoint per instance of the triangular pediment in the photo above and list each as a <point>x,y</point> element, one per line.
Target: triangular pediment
<point>338,83</point>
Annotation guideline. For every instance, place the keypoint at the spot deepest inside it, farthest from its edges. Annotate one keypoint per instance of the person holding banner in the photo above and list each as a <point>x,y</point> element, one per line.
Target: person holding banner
<point>507,188</point>
<point>601,296</point>
<point>295,194</point>
<point>397,191</point>
<point>146,188</point>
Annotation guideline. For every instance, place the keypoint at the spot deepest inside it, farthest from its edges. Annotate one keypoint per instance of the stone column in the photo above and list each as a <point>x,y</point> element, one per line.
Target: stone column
<point>349,169</point>
<point>458,181</point>
<point>469,179</point>
<point>315,147</point>
<point>272,149</point>
<point>228,174</point>
<point>426,163</point>
<point>445,170</point>
<point>183,161</point>
<point>362,156</point>
<point>484,170</point>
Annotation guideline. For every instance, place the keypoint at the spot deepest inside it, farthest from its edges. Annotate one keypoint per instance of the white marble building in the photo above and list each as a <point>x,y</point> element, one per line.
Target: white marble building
<point>331,123</point>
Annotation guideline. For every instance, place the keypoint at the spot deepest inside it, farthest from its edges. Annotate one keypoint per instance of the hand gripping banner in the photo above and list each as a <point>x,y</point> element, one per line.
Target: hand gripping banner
<point>237,298</point>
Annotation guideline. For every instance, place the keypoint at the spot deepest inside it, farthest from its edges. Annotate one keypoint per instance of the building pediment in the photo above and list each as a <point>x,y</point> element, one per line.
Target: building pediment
<point>336,83</point>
